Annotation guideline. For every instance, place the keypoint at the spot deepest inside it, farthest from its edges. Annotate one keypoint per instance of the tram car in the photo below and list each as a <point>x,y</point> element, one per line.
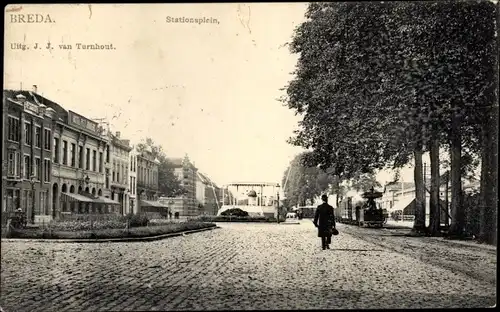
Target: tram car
<point>370,214</point>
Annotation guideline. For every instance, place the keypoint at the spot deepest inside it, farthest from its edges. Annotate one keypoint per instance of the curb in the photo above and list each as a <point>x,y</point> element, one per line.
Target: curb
<point>466,243</point>
<point>108,240</point>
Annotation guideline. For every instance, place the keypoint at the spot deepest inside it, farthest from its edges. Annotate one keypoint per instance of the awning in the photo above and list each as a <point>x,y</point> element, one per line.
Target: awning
<point>148,203</point>
<point>401,204</point>
<point>105,200</point>
<point>76,197</point>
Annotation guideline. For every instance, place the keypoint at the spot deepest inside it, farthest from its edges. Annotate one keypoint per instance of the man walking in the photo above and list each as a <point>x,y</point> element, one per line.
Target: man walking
<point>324,220</point>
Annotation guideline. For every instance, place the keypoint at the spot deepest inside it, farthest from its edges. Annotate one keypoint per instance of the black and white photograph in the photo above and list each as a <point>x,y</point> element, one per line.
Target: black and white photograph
<point>250,156</point>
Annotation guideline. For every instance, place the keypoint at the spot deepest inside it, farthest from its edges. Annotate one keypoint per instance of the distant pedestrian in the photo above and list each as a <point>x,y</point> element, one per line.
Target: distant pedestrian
<point>324,220</point>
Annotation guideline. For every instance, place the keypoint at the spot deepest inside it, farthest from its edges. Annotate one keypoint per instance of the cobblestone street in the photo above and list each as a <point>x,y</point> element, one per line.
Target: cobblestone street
<point>240,266</point>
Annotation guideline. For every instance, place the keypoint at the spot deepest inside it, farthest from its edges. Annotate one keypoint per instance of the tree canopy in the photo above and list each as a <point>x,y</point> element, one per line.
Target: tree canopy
<point>378,83</point>
<point>372,78</point>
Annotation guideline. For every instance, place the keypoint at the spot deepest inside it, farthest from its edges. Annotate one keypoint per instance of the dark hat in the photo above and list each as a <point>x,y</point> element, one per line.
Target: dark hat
<point>324,197</point>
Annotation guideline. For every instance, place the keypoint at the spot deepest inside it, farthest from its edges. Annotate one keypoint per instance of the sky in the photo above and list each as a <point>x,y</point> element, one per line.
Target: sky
<point>206,90</point>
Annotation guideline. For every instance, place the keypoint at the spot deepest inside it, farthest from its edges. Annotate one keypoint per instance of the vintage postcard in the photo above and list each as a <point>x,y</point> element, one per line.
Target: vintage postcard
<point>242,156</point>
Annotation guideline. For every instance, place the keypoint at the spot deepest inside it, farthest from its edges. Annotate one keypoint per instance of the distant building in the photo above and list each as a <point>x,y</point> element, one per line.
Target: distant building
<point>132,181</point>
<point>186,172</point>
<point>394,190</point>
<point>147,182</point>
<point>207,194</point>
<point>120,159</point>
<point>78,165</point>
<point>401,195</point>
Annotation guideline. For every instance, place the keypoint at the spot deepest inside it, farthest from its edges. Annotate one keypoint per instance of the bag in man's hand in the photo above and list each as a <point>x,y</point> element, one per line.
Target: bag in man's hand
<point>335,231</point>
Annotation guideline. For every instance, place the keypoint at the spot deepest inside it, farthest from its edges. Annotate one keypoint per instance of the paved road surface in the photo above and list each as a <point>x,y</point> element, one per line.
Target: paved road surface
<point>240,266</point>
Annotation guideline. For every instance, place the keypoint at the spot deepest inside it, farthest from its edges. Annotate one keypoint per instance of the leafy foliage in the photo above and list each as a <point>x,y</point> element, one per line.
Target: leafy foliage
<point>376,82</point>
<point>373,78</point>
<point>304,183</point>
<point>235,212</point>
<point>364,182</point>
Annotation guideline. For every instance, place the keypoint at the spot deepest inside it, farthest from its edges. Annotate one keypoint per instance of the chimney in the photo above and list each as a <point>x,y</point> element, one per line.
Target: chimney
<point>117,134</point>
<point>35,89</point>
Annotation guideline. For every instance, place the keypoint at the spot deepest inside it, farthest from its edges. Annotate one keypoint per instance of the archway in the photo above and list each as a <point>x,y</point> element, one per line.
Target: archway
<point>55,189</point>
<point>64,188</point>
<point>72,189</point>
<point>80,189</point>
<point>87,189</point>
<point>93,191</point>
<point>99,193</point>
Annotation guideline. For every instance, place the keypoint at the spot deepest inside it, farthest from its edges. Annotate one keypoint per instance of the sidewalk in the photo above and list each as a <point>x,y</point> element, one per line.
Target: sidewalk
<point>403,224</point>
<point>391,224</point>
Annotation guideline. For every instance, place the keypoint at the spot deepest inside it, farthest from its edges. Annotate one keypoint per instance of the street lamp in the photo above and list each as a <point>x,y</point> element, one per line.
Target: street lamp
<point>278,202</point>
<point>32,182</point>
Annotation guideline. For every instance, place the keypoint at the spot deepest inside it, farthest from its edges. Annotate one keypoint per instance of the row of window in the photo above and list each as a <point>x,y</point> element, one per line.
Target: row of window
<point>69,152</point>
<point>133,163</point>
<point>119,170</point>
<point>133,184</point>
<point>26,169</point>
<point>147,176</point>
<point>14,133</point>
<point>69,157</point>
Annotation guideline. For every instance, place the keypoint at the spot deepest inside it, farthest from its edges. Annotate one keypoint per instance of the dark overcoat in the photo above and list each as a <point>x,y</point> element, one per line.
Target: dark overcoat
<point>324,219</point>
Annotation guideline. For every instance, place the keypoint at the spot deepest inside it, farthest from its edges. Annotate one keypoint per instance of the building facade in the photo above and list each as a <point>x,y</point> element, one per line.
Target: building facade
<point>147,179</point>
<point>400,196</point>
<point>132,181</point>
<point>186,172</point>
<point>27,154</point>
<point>120,160</point>
<point>207,195</point>
<point>80,152</point>
<point>66,164</point>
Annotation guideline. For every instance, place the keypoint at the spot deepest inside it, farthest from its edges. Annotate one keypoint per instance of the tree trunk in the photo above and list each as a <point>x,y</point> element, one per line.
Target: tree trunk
<point>419,224</point>
<point>457,211</point>
<point>435,213</point>
<point>447,203</point>
<point>489,179</point>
